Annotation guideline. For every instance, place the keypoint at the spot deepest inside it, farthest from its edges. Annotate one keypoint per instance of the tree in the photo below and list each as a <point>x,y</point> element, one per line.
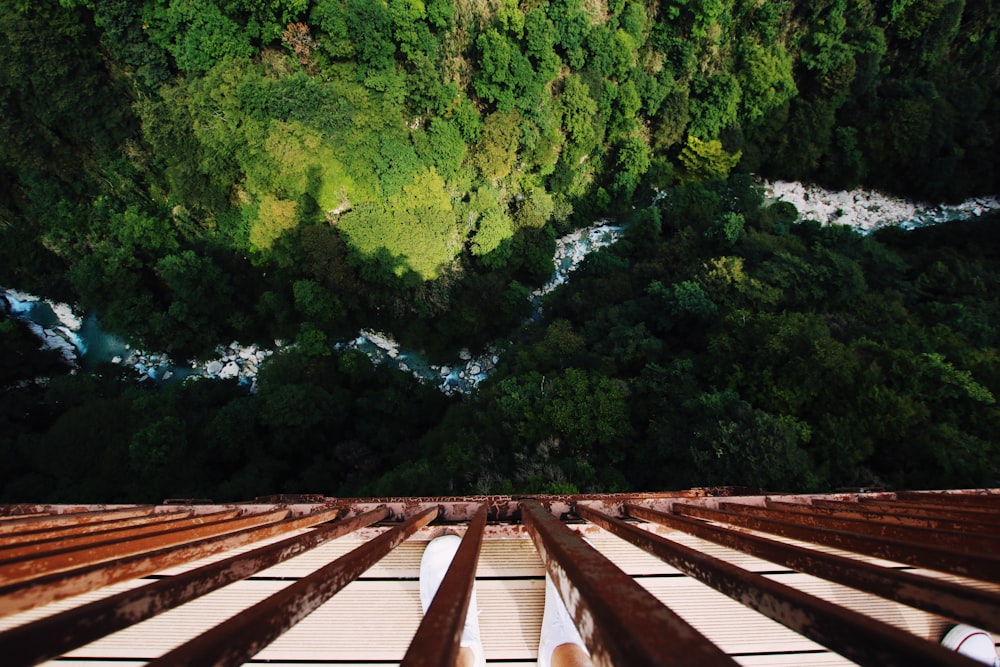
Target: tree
<point>274,218</point>
<point>707,159</point>
<point>416,232</point>
<point>496,151</point>
<point>736,444</point>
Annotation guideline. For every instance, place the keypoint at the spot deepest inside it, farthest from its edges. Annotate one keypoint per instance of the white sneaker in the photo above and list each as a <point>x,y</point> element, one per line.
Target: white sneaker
<point>972,643</point>
<point>433,565</point>
<point>557,626</point>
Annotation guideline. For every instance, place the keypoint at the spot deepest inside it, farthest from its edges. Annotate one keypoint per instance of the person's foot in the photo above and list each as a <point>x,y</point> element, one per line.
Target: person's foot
<point>433,565</point>
<point>972,643</point>
<point>557,626</point>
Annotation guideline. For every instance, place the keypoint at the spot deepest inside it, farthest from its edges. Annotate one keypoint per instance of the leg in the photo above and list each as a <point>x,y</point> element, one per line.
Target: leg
<point>570,655</point>
<point>466,658</point>
<point>560,644</point>
<point>972,643</point>
<point>433,566</point>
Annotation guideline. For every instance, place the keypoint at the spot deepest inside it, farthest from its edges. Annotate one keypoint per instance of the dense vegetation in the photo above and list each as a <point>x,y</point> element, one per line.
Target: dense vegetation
<point>202,171</point>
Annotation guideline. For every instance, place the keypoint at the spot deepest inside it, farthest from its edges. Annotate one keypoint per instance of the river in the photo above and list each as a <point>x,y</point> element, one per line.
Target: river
<point>84,344</point>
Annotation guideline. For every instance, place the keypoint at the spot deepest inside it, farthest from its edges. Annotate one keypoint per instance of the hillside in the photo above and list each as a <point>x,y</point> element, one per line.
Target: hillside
<point>204,171</point>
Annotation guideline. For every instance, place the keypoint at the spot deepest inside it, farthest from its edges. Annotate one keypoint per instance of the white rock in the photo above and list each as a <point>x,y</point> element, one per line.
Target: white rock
<point>476,369</point>
<point>213,368</point>
<point>116,359</point>
<point>246,353</point>
<point>464,354</point>
<point>230,370</point>
<point>64,313</point>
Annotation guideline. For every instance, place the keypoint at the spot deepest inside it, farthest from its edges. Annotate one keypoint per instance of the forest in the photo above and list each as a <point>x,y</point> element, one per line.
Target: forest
<point>199,171</point>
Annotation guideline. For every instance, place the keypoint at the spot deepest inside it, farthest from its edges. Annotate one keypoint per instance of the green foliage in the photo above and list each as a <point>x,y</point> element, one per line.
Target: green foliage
<point>496,151</point>
<point>739,445</point>
<point>415,232</point>
<point>505,76</point>
<point>706,159</point>
<point>199,171</point>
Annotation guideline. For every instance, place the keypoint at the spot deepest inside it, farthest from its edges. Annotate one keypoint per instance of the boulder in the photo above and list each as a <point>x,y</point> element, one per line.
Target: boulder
<point>213,368</point>
<point>230,370</point>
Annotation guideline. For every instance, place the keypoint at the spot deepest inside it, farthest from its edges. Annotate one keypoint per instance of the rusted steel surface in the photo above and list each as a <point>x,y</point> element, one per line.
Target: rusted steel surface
<point>861,512</point>
<point>983,498</point>
<point>25,569</point>
<point>621,622</point>
<point>970,605</point>
<point>52,636</point>
<point>968,512</point>
<point>858,637</point>
<point>29,536</point>
<point>506,508</point>
<point>436,640</point>
<point>44,589</point>
<point>959,541</point>
<point>975,566</point>
<point>909,511</point>
<point>65,543</point>
<point>78,518</point>
<point>239,638</point>
<point>26,515</point>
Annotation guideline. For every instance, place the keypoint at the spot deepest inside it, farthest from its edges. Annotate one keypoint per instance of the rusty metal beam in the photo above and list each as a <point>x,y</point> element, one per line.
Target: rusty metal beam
<point>860,638</point>
<point>959,541</point>
<point>910,511</point>
<point>30,536</point>
<point>55,635</point>
<point>619,620</point>
<point>26,569</point>
<point>44,589</point>
<point>239,638</point>
<point>975,566</point>
<point>863,513</point>
<point>436,640</point>
<point>984,499</point>
<point>66,543</point>
<point>957,511</point>
<point>975,606</point>
<point>16,525</point>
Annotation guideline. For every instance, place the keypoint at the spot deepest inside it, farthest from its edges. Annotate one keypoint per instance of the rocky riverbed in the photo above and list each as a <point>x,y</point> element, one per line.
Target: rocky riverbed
<point>459,377</point>
<point>867,210</point>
